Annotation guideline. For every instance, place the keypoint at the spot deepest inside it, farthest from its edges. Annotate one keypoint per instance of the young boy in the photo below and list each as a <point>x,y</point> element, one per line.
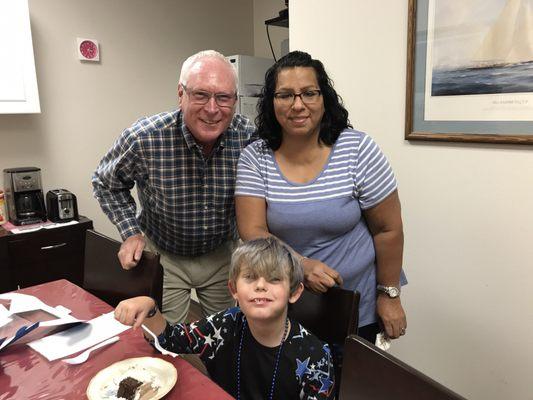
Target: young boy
<point>252,351</point>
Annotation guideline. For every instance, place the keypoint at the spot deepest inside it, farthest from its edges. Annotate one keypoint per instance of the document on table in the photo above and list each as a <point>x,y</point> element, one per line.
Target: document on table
<point>28,318</point>
<point>79,338</point>
<point>4,316</point>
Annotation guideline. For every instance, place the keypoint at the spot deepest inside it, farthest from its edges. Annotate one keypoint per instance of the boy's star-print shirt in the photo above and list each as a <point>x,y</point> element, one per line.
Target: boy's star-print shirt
<point>305,369</point>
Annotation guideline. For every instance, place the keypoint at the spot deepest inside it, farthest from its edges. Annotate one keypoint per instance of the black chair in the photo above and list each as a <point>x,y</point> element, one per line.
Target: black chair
<point>106,279</point>
<point>370,373</point>
<point>331,316</point>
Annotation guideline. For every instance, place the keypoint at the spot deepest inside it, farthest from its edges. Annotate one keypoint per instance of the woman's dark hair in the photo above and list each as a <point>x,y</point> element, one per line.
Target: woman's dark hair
<point>335,118</point>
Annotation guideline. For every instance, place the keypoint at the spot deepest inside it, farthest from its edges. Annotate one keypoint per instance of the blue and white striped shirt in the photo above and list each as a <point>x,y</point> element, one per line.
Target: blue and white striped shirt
<point>322,218</point>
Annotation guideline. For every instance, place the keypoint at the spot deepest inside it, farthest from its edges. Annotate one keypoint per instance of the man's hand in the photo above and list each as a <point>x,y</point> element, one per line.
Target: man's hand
<point>318,276</point>
<point>133,311</point>
<point>131,251</point>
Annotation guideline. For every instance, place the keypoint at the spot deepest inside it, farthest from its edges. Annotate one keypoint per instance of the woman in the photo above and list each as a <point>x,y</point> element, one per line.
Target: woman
<point>326,190</point>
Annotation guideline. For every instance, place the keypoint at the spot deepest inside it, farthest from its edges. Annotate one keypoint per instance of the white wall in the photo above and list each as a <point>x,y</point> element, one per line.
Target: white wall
<point>466,208</point>
<point>85,106</point>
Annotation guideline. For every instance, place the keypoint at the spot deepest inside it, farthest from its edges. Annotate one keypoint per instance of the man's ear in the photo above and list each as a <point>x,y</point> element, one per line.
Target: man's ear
<point>232,289</point>
<point>296,294</point>
<point>180,93</point>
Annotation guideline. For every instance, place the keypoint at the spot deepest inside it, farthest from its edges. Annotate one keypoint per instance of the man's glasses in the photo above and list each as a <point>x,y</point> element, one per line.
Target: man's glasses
<point>288,98</point>
<point>202,97</point>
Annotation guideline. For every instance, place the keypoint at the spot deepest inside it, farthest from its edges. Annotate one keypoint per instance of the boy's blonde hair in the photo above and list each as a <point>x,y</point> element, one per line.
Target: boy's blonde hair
<point>267,257</point>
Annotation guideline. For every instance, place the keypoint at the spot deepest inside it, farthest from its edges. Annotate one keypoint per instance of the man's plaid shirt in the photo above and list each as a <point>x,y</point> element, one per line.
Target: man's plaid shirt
<point>187,205</point>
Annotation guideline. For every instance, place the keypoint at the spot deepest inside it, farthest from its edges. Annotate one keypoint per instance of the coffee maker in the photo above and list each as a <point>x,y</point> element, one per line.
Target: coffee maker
<point>24,195</point>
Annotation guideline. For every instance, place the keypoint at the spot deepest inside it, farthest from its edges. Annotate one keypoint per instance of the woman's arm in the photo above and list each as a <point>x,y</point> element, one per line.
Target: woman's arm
<point>385,224</point>
<point>252,224</point>
<point>251,217</point>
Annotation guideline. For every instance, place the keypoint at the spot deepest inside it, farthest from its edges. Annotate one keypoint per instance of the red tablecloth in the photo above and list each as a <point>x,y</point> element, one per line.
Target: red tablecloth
<point>26,375</point>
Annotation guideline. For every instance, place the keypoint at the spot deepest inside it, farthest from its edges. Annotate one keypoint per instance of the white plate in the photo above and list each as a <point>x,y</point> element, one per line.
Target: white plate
<point>104,384</point>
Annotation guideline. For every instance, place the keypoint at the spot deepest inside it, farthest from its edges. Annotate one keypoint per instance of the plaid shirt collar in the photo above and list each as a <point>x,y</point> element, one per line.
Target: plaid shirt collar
<point>191,141</point>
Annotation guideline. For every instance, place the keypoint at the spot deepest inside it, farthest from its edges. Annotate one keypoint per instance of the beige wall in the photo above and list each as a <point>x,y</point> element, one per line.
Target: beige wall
<point>263,10</point>
<point>85,106</point>
<point>467,210</point>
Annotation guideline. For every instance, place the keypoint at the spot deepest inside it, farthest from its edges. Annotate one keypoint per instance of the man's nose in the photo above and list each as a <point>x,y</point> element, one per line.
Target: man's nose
<point>211,105</point>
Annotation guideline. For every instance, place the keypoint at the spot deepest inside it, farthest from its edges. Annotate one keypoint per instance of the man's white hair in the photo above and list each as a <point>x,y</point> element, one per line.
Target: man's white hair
<point>189,62</point>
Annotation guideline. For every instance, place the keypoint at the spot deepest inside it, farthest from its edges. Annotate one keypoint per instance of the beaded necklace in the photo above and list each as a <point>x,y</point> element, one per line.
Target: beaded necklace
<point>278,356</point>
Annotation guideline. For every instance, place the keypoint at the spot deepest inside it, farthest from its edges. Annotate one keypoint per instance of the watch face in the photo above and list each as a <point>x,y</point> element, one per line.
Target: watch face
<point>390,291</point>
<point>393,292</point>
<point>88,49</point>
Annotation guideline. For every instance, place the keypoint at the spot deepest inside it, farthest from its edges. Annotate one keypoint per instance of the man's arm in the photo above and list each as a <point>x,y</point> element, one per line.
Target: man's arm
<point>112,182</point>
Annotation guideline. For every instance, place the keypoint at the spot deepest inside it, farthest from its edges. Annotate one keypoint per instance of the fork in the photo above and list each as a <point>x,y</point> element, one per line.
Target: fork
<point>82,357</point>
<point>157,345</point>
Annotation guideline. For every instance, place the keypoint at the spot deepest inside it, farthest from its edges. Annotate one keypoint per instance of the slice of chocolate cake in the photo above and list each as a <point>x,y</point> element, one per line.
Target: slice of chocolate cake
<point>127,388</point>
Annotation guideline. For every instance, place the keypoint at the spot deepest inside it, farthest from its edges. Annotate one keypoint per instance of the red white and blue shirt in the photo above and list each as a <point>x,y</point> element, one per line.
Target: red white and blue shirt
<point>305,367</point>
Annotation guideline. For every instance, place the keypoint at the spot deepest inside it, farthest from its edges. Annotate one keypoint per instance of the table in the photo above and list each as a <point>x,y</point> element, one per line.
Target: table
<point>26,375</point>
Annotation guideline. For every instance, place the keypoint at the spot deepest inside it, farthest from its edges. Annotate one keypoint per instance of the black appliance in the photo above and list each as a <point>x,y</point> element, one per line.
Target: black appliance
<point>24,195</point>
<point>62,205</point>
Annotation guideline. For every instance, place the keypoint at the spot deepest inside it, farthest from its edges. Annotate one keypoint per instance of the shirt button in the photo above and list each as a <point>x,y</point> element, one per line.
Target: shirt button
<point>206,208</point>
<point>205,228</point>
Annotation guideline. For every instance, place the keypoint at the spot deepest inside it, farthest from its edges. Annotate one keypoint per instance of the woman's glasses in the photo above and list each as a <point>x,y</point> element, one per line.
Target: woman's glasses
<point>288,98</point>
<point>201,97</point>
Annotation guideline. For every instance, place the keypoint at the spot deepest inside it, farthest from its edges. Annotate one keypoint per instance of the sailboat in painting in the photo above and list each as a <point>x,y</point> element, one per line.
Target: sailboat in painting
<point>510,40</point>
<point>503,63</point>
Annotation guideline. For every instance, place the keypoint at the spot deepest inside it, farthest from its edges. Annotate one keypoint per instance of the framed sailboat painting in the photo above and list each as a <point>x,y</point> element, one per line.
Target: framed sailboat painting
<point>470,71</point>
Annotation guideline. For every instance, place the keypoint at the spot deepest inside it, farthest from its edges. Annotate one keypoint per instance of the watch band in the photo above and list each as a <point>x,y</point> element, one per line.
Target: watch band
<point>391,291</point>
<point>152,312</point>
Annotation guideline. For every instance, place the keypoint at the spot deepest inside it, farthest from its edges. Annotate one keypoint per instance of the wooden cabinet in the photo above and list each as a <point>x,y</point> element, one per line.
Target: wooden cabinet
<point>18,80</point>
<point>27,259</point>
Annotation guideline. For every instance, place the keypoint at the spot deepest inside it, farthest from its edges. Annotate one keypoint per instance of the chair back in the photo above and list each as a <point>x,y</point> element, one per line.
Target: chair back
<point>106,279</point>
<point>369,373</point>
<point>331,316</point>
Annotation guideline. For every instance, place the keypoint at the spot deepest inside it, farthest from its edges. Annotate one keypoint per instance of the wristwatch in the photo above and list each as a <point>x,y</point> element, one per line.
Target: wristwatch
<point>152,312</point>
<point>391,291</point>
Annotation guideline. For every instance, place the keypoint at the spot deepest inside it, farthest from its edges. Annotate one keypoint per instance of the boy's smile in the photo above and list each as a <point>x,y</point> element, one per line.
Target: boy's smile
<point>262,299</point>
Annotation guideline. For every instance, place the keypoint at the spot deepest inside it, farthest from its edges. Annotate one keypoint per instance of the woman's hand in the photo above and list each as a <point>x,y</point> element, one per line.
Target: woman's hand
<point>392,315</point>
<point>133,311</point>
<point>318,276</point>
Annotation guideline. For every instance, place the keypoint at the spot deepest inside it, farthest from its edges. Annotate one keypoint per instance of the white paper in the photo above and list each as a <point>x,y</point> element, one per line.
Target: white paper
<point>4,316</point>
<point>21,303</point>
<point>383,341</point>
<point>45,225</point>
<point>79,338</point>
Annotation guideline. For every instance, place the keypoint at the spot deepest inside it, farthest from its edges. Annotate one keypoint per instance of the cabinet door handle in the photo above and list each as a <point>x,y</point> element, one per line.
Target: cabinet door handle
<point>54,246</point>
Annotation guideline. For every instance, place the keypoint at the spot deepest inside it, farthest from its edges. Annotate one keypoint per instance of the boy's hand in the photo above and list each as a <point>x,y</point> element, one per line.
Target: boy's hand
<point>318,276</point>
<point>133,311</point>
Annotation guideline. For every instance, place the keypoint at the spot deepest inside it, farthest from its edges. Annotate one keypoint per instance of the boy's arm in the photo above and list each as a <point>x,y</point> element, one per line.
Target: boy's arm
<point>202,337</point>
<point>318,381</point>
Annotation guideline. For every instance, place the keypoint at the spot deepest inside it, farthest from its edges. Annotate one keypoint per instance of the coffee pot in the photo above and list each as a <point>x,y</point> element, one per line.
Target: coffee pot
<point>24,195</point>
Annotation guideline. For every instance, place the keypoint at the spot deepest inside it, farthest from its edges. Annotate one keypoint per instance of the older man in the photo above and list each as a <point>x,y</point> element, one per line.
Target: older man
<point>183,163</point>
